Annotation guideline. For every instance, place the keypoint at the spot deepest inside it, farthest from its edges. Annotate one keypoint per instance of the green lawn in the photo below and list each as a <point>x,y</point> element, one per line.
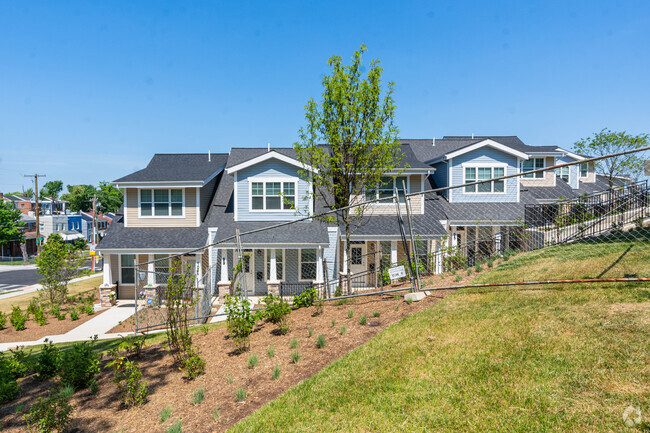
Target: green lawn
<point>490,360</point>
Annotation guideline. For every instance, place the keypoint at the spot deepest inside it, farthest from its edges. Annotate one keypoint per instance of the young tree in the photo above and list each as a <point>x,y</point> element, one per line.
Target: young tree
<point>29,193</point>
<point>607,142</point>
<point>58,264</point>
<point>11,226</point>
<point>356,119</point>
<point>109,198</point>
<point>52,189</point>
<point>79,197</point>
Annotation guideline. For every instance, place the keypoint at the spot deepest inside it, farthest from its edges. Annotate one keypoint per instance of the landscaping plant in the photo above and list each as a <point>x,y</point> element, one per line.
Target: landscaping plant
<point>253,361</point>
<point>58,264</point>
<point>294,343</point>
<point>295,357</point>
<point>343,329</point>
<point>240,320</point>
<point>8,383</point>
<point>19,362</point>
<point>3,320</point>
<point>270,352</point>
<point>320,341</point>
<point>363,320</point>
<point>18,318</point>
<point>50,414</point>
<point>240,394</point>
<point>177,427</point>
<point>74,314</point>
<point>39,316</point>
<point>199,396</point>
<point>165,414</point>
<point>128,379</point>
<point>305,299</point>
<point>277,312</point>
<point>275,375</point>
<point>79,365</point>
<point>132,344</point>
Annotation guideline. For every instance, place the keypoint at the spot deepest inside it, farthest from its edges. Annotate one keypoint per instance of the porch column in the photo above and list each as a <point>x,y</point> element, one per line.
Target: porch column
<point>393,252</point>
<point>108,276</point>
<point>319,265</point>
<point>107,283</point>
<point>273,277</point>
<point>151,271</point>
<point>345,258</point>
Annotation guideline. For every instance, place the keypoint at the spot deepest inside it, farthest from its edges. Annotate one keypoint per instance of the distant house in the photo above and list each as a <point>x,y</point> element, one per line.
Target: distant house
<point>12,249</point>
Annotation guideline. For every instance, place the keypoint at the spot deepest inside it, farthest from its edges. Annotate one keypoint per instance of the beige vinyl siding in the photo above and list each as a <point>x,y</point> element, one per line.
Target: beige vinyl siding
<point>591,174</point>
<point>547,180</point>
<point>388,207</point>
<point>132,212</point>
<point>115,266</point>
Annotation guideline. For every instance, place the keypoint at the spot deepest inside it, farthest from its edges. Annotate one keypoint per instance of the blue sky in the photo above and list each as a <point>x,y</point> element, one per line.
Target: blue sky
<point>89,91</point>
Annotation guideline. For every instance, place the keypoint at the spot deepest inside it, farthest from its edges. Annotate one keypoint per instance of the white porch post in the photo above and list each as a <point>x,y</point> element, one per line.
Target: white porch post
<point>151,274</point>
<point>345,258</point>
<point>224,266</point>
<point>108,277</point>
<point>393,252</point>
<point>273,268</point>
<point>319,265</point>
<point>438,259</point>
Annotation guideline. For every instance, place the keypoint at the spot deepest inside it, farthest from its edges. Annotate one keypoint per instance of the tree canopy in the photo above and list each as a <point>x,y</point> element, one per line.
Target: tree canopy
<point>109,198</point>
<point>52,189</point>
<point>607,142</point>
<point>11,224</point>
<point>58,264</point>
<point>79,197</point>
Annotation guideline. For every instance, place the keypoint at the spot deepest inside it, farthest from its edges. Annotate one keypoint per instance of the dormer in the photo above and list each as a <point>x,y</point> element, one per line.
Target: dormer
<point>174,190</point>
<point>268,185</point>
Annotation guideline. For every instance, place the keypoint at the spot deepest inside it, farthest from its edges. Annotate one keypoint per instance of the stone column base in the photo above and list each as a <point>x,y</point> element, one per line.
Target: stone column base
<point>273,288</point>
<point>223,288</point>
<point>104,292</point>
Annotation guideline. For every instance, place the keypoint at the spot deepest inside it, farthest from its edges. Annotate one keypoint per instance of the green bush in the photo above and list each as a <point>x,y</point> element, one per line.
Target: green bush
<point>19,362</point>
<point>3,320</point>
<point>165,414</point>
<point>177,427</point>
<point>342,332</point>
<point>40,317</point>
<point>56,312</point>
<point>49,414</point>
<point>320,341</point>
<point>89,309</point>
<point>338,292</point>
<point>350,314</point>
<point>132,344</point>
<point>478,267</point>
<point>8,383</point>
<point>74,314</point>
<point>490,263</point>
<point>276,309</point>
<point>199,396</point>
<point>240,320</point>
<point>275,375</point>
<point>294,343</point>
<point>376,314</point>
<point>459,277</point>
<point>253,360</point>
<point>79,365</point>
<point>128,379</point>
<point>18,318</point>
<point>310,332</point>
<point>240,394</point>
<point>192,365</point>
<point>305,299</point>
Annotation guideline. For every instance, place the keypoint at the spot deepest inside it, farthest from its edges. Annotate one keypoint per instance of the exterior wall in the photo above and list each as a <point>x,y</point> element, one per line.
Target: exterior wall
<point>388,207</point>
<point>132,212</point>
<point>487,156</point>
<point>271,169</point>
<point>574,171</point>
<point>329,253</point>
<point>441,176</point>
<point>591,174</point>
<point>547,180</point>
<point>75,223</point>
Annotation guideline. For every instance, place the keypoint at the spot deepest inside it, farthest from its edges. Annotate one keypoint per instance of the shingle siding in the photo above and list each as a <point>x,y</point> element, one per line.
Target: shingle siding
<point>487,156</point>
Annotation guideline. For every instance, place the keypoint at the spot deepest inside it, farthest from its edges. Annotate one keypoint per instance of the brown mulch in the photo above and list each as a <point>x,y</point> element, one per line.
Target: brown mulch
<point>225,371</point>
<point>33,331</point>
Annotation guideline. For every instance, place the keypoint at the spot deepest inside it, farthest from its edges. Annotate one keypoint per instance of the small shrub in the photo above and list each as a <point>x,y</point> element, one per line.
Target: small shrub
<point>49,414</point>
<point>276,309</point>
<point>229,379</point>
<point>318,307</point>
<point>18,319</point>
<point>192,365</point>
<point>128,379</point>
<point>240,394</point>
<point>67,391</point>
<point>253,361</point>
<point>490,263</point>
<point>8,383</point>
<point>89,309</point>
<point>506,256</point>
<point>342,301</point>
<point>338,292</point>
<point>363,320</point>
<point>240,321</point>
<point>469,272</point>
<point>270,352</point>
<point>74,314</point>
<point>40,317</point>
<point>165,414</point>
<point>177,427</point>
<point>3,320</point>
<point>305,299</point>
<point>32,307</point>
<point>409,301</point>
<point>333,323</point>
<point>396,296</point>
<point>205,329</point>
<point>350,314</point>
<point>199,396</point>
<point>478,267</point>
<point>132,344</point>
<point>294,343</point>
<point>19,362</point>
<point>310,332</point>
<point>216,413</point>
<point>94,387</point>
<point>19,408</point>
<point>320,341</point>
<point>459,277</point>
<point>48,361</point>
<point>342,331</point>
<point>376,314</point>
<point>275,375</point>
<point>295,356</point>
<point>79,365</point>
<point>285,326</point>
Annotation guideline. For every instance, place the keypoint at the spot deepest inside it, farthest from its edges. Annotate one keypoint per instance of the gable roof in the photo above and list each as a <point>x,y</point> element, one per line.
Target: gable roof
<point>244,158</point>
<point>186,168</point>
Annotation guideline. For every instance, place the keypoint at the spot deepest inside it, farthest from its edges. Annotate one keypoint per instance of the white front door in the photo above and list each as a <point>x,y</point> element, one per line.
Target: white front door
<point>248,271</point>
<point>358,258</point>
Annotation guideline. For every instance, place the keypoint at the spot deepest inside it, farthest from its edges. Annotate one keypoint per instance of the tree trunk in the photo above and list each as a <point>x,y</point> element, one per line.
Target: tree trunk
<point>23,250</point>
<point>348,250</point>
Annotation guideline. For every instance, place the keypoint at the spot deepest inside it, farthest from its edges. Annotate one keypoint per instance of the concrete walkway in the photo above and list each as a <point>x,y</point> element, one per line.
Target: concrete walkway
<point>99,325</point>
<point>35,287</point>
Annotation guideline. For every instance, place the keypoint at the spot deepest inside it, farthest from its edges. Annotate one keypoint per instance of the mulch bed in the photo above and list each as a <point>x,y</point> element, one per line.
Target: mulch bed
<point>33,331</point>
<point>225,371</point>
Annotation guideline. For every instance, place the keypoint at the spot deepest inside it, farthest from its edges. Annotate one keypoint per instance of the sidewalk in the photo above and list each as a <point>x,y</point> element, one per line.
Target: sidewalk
<point>99,326</point>
<point>8,268</point>
<point>35,287</point>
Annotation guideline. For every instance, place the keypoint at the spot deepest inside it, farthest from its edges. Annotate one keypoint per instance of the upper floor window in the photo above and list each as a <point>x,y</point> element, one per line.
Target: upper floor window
<point>161,202</point>
<point>386,188</point>
<point>584,170</point>
<point>475,174</point>
<point>533,164</point>
<point>273,195</point>
<point>563,172</point>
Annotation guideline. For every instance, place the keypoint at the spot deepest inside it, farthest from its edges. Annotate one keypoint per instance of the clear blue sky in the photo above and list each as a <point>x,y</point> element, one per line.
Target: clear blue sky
<point>89,91</point>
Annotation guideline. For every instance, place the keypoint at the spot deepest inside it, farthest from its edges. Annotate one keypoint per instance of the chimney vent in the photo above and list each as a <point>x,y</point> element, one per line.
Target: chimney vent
<point>209,157</point>
<point>268,146</point>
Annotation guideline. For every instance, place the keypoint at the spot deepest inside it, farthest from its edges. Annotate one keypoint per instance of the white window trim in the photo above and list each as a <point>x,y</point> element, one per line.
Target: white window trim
<point>491,167</point>
<point>388,202</point>
<point>534,177</point>
<point>568,171</point>
<point>281,180</point>
<point>580,170</point>
<point>153,203</point>
<point>267,257</point>
<point>134,267</point>
<point>300,264</point>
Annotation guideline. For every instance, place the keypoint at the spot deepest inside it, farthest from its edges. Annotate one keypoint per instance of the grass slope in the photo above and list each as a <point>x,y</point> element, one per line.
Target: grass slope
<point>556,360</point>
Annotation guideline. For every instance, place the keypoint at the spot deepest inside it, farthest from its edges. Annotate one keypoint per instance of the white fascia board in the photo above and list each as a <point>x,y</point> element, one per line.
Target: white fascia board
<point>159,184</point>
<point>270,155</point>
<point>411,171</point>
<point>571,154</point>
<point>490,143</point>
<point>145,250</point>
<point>283,245</point>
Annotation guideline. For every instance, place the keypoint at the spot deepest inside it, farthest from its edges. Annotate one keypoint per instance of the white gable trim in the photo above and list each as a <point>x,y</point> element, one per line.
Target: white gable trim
<point>490,143</point>
<point>266,156</point>
<point>572,155</point>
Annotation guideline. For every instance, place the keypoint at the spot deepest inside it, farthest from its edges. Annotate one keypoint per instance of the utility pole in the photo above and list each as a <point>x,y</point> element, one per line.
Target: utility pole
<point>94,225</point>
<point>37,212</point>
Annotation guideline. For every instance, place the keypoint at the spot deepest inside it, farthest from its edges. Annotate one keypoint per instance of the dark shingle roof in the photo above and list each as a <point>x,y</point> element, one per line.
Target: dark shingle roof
<point>178,167</point>
<point>243,154</point>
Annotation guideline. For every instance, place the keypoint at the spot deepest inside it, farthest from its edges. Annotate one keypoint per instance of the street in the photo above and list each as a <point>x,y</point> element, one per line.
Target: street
<point>19,277</point>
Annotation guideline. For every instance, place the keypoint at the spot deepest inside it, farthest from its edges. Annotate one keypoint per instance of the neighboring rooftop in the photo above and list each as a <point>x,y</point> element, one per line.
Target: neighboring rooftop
<point>178,167</point>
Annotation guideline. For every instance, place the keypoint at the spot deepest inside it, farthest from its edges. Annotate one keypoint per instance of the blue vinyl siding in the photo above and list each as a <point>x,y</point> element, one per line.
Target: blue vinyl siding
<point>441,176</point>
<point>329,254</point>
<point>487,156</point>
<point>272,169</point>
<point>574,171</point>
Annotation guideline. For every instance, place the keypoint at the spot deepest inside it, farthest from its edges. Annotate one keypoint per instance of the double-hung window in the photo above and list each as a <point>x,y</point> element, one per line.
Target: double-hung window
<point>584,170</point>
<point>127,265</point>
<point>563,172</point>
<point>308,264</point>
<point>273,195</point>
<point>161,202</point>
<point>476,174</point>
<point>533,164</point>
<point>386,188</point>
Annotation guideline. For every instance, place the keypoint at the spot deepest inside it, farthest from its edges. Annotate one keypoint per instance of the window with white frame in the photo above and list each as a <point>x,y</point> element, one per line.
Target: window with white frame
<point>476,174</point>
<point>563,172</point>
<point>386,188</point>
<point>161,202</point>
<point>584,170</point>
<point>533,164</point>
<point>273,195</point>
<point>279,264</point>
<point>127,265</point>
<point>308,264</point>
